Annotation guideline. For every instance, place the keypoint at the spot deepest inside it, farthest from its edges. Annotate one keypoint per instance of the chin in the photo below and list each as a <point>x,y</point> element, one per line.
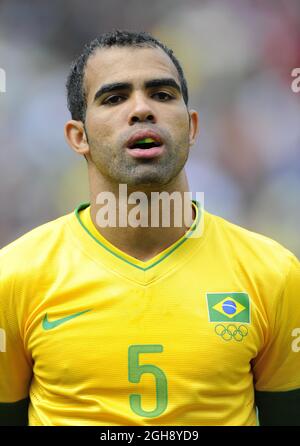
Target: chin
<point>147,175</point>
<point>149,179</point>
<point>146,182</point>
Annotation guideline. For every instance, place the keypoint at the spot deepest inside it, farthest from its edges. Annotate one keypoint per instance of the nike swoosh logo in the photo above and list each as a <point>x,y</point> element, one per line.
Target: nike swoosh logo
<point>49,325</point>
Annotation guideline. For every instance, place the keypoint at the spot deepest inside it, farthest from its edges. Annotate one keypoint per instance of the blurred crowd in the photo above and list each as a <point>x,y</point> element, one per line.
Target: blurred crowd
<point>237,55</point>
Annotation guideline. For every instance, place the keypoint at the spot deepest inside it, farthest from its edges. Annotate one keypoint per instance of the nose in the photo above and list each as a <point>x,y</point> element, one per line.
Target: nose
<point>141,110</point>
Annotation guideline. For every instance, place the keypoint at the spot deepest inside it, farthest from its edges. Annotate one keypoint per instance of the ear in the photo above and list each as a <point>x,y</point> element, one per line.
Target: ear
<point>76,137</point>
<point>194,126</point>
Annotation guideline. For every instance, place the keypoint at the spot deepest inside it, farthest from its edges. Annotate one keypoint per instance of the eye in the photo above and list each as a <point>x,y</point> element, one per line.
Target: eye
<point>113,100</point>
<point>163,96</point>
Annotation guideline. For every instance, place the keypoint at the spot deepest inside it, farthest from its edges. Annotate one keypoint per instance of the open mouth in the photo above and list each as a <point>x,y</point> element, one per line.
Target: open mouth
<point>146,143</point>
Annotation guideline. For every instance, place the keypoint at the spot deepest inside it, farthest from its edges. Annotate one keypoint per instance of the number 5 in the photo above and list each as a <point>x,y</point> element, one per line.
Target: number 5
<point>134,376</point>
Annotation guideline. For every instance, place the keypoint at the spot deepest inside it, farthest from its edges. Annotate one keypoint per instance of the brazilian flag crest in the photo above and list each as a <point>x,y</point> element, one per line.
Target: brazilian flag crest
<point>228,307</point>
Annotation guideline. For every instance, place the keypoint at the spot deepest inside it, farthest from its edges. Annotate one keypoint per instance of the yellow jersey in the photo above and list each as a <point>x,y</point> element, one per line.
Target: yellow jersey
<point>94,336</point>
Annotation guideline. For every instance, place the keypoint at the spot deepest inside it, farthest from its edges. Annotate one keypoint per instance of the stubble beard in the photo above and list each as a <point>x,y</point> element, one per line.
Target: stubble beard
<point>120,169</point>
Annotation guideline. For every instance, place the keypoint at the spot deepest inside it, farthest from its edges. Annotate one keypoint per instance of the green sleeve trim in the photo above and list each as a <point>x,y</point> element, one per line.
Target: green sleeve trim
<point>278,408</point>
<point>14,414</point>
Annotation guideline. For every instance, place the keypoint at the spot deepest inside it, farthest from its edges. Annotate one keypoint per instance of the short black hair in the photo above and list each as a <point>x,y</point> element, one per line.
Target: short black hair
<point>76,94</point>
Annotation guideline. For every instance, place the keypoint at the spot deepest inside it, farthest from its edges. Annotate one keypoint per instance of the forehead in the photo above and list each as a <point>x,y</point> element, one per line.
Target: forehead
<point>127,64</point>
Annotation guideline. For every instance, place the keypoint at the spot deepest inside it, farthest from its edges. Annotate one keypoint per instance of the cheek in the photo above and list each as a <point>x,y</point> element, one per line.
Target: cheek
<point>99,128</point>
<point>101,132</point>
<point>179,126</point>
<point>178,115</point>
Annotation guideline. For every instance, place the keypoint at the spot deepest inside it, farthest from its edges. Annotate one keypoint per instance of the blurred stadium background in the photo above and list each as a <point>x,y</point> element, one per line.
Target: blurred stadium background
<point>237,55</point>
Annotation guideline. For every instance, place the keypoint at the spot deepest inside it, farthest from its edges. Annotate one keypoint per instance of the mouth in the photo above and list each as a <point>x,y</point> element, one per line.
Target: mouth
<point>145,145</point>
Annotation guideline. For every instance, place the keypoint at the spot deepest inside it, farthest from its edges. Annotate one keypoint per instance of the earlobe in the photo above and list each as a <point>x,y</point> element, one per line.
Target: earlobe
<point>76,137</point>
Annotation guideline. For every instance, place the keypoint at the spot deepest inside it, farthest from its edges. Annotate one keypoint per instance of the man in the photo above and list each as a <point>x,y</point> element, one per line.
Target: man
<point>126,325</point>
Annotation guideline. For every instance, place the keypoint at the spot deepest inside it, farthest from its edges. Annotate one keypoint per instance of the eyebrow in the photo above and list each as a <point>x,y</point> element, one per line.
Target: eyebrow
<point>116,86</point>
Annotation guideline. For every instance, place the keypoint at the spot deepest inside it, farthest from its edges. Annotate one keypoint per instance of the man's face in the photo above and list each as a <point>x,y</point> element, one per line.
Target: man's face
<point>116,113</point>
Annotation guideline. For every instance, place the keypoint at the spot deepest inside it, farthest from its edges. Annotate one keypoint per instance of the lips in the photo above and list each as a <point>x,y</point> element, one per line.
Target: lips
<point>137,140</point>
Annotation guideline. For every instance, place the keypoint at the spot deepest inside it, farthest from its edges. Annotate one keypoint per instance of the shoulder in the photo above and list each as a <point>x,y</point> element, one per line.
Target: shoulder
<point>34,248</point>
<point>251,250</point>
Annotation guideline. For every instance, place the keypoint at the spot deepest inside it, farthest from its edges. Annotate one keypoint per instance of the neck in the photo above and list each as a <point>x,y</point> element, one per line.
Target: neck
<point>160,226</point>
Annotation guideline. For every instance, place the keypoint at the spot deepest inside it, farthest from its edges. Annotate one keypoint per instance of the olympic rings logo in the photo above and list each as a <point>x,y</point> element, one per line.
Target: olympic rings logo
<point>231,332</point>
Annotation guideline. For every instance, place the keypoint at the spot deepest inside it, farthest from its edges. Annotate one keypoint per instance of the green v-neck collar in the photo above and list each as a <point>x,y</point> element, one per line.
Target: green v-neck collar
<point>162,256</point>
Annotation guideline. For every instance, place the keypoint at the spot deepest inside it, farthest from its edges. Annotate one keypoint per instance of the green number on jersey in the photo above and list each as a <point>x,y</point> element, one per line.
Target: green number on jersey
<point>134,376</point>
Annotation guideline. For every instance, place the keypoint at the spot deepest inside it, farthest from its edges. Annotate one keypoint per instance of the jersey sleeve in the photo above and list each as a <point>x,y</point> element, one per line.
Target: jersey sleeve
<point>277,367</point>
<point>15,364</point>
